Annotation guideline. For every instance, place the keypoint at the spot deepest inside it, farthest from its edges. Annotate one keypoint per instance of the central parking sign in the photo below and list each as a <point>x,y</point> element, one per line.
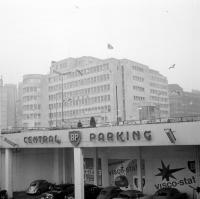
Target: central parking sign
<point>75,137</point>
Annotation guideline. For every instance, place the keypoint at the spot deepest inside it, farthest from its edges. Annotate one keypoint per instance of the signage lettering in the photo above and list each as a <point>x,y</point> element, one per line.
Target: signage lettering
<point>42,139</point>
<point>121,136</point>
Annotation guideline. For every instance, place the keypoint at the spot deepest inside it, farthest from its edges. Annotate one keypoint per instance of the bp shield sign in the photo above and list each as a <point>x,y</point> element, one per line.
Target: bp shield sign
<point>75,137</point>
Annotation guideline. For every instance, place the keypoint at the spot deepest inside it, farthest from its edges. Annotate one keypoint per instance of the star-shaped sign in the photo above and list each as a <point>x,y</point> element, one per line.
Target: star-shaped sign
<point>166,172</point>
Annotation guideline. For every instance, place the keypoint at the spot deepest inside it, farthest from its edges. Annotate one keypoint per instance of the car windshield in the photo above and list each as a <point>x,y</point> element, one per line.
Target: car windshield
<point>33,184</point>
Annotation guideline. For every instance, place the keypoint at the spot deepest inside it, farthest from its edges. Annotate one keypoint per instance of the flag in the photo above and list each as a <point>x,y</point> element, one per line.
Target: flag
<point>110,47</point>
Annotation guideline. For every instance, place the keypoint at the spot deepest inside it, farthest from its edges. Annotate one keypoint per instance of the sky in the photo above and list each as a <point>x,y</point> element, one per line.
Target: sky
<point>157,33</point>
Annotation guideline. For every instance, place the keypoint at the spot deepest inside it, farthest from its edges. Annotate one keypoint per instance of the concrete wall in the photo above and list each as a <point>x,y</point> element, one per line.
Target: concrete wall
<point>32,164</point>
<point>174,157</point>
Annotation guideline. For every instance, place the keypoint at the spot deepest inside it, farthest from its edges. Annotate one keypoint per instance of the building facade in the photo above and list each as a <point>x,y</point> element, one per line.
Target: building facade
<point>34,101</point>
<point>8,93</point>
<point>145,154</point>
<point>110,90</point>
<point>183,103</point>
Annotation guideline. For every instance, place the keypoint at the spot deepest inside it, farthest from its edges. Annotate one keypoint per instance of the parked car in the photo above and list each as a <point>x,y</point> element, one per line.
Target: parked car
<point>91,192</point>
<point>130,194</point>
<point>38,186</point>
<point>58,192</point>
<point>109,192</point>
<point>3,194</point>
<point>169,193</point>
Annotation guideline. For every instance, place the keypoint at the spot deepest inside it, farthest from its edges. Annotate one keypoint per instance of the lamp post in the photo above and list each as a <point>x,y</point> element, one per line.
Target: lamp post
<point>61,75</point>
<point>62,94</point>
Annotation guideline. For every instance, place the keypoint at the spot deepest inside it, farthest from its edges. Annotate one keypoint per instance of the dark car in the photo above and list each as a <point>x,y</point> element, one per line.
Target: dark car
<point>91,192</point>
<point>169,193</point>
<point>58,192</point>
<point>109,192</point>
<point>130,194</point>
<point>38,186</point>
<point>3,194</point>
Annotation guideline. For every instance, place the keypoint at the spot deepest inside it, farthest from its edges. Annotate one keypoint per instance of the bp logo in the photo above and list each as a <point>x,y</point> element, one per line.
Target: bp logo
<point>191,166</point>
<point>75,137</point>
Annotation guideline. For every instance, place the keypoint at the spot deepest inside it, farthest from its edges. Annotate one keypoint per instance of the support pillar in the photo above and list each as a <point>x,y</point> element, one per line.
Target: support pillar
<point>56,166</point>
<point>96,167</point>
<point>197,167</point>
<point>78,173</point>
<point>8,172</point>
<point>139,169</point>
<point>105,175</point>
<point>63,166</point>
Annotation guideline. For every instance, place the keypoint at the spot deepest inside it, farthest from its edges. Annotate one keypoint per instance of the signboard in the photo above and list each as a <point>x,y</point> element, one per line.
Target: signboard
<point>123,173</point>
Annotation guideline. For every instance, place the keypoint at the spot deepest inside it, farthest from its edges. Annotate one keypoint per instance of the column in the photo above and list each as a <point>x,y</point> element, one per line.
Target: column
<point>96,166</point>
<point>139,169</point>
<point>197,166</point>
<point>63,166</point>
<point>105,176</point>
<point>56,166</point>
<point>8,172</point>
<point>78,173</point>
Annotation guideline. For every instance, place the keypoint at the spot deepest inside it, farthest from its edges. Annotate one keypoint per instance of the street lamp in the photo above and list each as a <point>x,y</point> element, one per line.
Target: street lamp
<point>62,94</point>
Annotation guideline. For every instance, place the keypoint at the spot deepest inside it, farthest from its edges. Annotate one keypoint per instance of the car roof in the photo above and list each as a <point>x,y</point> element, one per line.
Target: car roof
<point>109,188</point>
<point>130,192</point>
<point>35,181</point>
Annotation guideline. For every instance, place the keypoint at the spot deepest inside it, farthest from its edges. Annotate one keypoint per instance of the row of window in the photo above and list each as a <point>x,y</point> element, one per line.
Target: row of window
<point>137,68</point>
<point>138,88</point>
<point>159,79</point>
<point>81,82</point>
<point>159,105</point>
<point>137,78</point>
<point>138,98</point>
<point>156,85</point>
<point>31,107</point>
<point>81,92</point>
<point>31,116</point>
<point>81,101</point>
<point>84,111</point>
<point>31,81</point>
<point>30,98</point>
<point>30,89</point>
<point>81,72</point>
<point>158,92</point>
<point>159,99</point>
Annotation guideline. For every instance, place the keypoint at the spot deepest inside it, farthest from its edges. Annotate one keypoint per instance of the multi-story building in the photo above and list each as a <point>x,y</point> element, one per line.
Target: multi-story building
<point>34,101</point>
<point>183,103</point>
<point>19,105</point>
<point>111,90</point>
<point>8,93</point>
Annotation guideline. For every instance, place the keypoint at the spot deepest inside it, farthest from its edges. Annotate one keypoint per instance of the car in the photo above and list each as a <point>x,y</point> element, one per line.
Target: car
<point>3,194</point>
<point>169,193</point>
<point>38,186</point>
<point>109,192</point>
<point>60,191</point>
<point>130,194</point>
<point>91,192</point>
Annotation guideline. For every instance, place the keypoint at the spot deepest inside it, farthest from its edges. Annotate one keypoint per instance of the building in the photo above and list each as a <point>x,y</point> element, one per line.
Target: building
<point>8,94</point>
<point>19,105</point>
<point>34,101</point>
<point>183,103</point>
<point>111,90</point>
<point>149,156</point>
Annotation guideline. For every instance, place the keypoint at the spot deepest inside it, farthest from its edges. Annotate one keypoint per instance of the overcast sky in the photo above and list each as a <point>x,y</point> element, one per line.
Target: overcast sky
<point>157,33</point>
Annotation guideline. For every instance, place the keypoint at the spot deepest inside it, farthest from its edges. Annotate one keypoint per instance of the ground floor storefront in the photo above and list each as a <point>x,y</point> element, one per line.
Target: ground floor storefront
<point>145,168</point>
<point>146,157</point>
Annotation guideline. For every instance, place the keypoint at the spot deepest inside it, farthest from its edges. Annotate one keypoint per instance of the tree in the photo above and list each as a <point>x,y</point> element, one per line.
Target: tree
<point>79,125</point>
<point>92,122</point>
